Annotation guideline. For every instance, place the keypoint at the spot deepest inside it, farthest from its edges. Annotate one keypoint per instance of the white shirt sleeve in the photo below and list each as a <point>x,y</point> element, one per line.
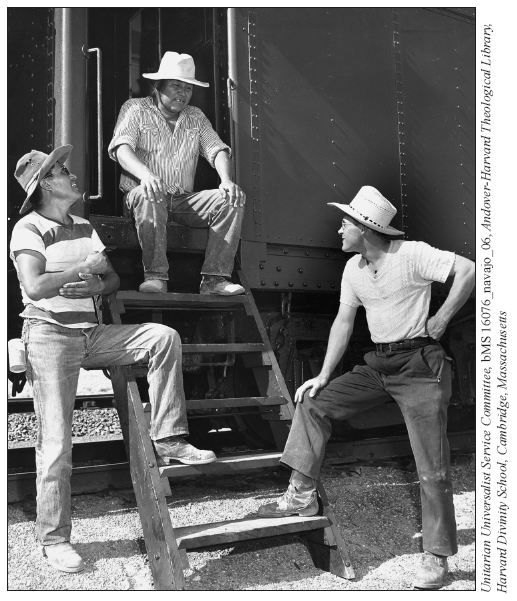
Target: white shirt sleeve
<point>348,295</point>
<point>26,237</point>
<point>433,264</point>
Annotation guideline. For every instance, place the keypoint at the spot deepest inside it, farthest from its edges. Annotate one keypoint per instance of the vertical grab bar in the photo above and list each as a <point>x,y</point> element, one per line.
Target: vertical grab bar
<point>232,87</point>
<point>99,123</point>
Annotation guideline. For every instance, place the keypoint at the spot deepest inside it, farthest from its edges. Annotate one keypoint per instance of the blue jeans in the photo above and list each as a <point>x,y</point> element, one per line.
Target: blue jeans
<point>419,380</point>
<point>54,357</point>
<point>206,209</point>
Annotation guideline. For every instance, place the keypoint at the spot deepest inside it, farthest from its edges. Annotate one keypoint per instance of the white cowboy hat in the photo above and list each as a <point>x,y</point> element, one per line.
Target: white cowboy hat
<point>177,66</point>
<point>370,208</point>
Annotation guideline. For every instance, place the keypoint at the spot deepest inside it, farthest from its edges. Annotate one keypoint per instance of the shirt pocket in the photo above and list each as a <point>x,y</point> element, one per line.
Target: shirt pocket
<point>192,133</point>
<point>148,136</point>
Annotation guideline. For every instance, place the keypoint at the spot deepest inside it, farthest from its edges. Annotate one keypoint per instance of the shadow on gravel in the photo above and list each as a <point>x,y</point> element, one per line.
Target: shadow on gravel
<point>466,536</point>
<point>255,564</point>
<point>461,575</point>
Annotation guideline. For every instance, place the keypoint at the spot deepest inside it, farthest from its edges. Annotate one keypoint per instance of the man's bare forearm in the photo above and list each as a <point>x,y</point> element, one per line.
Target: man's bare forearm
<point>338,341</point>
<point>223,166</point>
<point>462,286</point>
<point>127,158</point>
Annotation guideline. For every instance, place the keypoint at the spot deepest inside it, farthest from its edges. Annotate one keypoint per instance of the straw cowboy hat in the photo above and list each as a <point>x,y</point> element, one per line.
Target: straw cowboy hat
<point>370,208</point>
<point>177,66</point>
<point>33,167</point>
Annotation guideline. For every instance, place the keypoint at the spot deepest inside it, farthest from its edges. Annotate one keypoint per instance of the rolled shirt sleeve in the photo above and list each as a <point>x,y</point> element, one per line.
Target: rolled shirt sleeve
<point>126,129</point>
<point>210,144</point>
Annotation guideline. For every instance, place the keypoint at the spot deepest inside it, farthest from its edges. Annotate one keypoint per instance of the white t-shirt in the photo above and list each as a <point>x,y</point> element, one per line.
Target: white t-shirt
<point>63,246</point>
<point>397,297</point>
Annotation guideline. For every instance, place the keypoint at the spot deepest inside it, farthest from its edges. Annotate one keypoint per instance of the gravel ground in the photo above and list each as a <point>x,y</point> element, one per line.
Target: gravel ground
<point>377,507</point>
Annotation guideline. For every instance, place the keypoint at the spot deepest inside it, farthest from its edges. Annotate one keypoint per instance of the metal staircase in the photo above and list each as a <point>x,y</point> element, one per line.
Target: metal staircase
<point>167,546</point>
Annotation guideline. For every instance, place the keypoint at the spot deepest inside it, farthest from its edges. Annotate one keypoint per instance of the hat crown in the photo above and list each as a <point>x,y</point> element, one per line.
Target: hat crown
<point>180,64</point>
<point>371,206</point>
<point>28,166</point>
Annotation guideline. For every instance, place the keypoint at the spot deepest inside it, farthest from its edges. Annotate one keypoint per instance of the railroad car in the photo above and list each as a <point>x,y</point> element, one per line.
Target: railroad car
<point>315,103</point>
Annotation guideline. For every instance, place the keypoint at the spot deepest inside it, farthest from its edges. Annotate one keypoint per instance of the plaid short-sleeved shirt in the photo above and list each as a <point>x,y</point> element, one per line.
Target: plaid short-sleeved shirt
<point>172,157</point>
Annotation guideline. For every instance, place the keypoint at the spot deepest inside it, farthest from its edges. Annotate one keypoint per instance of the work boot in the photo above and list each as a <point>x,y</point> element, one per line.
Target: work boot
<point>432,572</point>
<point>215,284</point>
<point>175,448</point>
<point>153,286</point>
<point>64,557</point>
<point>292,502</point>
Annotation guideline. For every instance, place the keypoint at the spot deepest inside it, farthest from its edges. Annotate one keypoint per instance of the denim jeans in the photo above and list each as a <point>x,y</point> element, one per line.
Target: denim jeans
<point>419,380</point>
<point>206,209</point>
<point>54,357</point>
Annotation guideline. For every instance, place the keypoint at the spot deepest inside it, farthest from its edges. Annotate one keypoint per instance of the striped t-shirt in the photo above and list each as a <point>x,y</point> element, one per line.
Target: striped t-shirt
<point>62,246</point>
<point>172,157</point>
<point>397,297</point>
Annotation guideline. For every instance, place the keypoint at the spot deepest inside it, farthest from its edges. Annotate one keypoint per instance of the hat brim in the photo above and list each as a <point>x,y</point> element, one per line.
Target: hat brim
<point>191,80</point>
<point>390,231</point>
<point>61,152</point>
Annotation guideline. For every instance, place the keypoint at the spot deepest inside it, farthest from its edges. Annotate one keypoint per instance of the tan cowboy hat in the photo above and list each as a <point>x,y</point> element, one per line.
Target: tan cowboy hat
<point>370,208</point>
<point>33,167</point>
<point>177,66</point>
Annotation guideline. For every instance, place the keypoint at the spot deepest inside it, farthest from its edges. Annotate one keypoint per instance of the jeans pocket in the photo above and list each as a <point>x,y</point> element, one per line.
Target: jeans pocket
<point>432,358</point>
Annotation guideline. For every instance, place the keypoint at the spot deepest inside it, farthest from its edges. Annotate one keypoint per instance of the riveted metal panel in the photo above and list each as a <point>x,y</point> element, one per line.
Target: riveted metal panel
<point>322,118</point>
<point>436,71</point>
<point>30,116</point>
<point>30,47</point>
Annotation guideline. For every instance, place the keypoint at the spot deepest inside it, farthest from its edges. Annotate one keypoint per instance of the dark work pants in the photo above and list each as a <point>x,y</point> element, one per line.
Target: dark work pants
<point>419,380</point>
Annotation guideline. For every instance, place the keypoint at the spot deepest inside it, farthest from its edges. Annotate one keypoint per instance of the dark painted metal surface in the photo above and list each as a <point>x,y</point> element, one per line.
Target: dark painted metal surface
<point>321,99</point>
<point>437,75</point>
<point>331,99</point>
<point>30,114</point>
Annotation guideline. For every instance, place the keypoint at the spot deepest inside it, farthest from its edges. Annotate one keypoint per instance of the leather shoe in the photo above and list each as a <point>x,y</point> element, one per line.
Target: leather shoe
<point>432,572</point>
<point>219,285</point>
<point>153,286</point>
<point>64,557</point>
<point>292,502</point>
<point>180,450</point>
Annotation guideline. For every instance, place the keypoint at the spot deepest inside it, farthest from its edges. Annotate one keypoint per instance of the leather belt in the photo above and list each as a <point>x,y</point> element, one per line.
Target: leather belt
<point>404,345</point>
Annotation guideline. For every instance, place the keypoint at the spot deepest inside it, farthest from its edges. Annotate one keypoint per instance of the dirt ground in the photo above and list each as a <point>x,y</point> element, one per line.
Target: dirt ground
<point>377,507</point>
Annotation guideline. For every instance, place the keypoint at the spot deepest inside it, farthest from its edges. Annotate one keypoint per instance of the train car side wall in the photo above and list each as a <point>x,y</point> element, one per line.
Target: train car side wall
<point>328,100</point>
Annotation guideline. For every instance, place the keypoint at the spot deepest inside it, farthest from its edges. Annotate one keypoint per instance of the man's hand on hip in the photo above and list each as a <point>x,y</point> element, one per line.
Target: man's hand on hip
<point>435,327</point>
<point>233,193</point>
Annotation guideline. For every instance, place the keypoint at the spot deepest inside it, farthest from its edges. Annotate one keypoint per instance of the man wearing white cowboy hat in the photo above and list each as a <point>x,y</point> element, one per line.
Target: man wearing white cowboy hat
<point>392,280</point>
<point>61,266</point>
<point>157,141</point>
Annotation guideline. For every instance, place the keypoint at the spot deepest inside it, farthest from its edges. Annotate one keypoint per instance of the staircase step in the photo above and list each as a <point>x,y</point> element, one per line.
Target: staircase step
<point>170,300</point>
<point>252,401</point>
<point>228,464</point>
<point>248,528</point>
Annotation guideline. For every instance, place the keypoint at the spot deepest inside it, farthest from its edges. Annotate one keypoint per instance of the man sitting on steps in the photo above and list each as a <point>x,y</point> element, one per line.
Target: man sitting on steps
<point>157,141</point>
<point>61,265</point>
